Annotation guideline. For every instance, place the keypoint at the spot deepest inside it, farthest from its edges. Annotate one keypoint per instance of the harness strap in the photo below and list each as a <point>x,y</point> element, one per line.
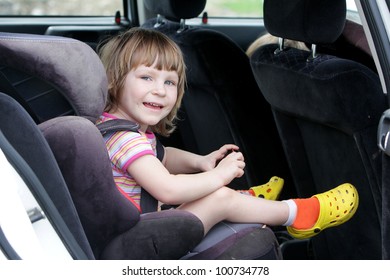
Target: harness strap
<point>117,125</point>
<point>148,202</point>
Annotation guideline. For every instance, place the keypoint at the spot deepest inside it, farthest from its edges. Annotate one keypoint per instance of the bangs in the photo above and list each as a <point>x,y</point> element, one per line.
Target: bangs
<point>158,53</point>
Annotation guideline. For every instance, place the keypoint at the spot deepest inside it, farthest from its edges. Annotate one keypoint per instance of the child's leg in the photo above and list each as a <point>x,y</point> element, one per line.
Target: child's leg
<point>304,217</point>
<point>230,205</point>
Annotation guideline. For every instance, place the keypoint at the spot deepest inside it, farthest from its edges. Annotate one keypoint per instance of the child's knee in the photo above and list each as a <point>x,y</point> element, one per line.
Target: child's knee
<point>223,194</point>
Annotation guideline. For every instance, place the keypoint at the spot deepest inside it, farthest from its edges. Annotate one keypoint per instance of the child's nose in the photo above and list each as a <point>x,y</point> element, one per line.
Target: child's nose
<point>159,89</point>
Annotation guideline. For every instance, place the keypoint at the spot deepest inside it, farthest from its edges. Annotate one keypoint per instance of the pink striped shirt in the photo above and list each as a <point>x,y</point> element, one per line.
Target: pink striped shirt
<point>124,147</point>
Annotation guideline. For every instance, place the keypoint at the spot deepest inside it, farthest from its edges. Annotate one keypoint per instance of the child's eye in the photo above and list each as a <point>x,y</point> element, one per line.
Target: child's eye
<point>170,83</point>
<point>146,78</point>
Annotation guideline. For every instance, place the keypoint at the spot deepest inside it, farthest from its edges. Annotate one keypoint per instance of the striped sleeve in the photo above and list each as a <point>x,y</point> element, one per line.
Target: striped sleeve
<point>124,147</point>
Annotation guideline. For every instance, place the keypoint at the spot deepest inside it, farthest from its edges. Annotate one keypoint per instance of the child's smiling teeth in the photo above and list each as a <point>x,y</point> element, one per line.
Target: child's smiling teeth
<point>153,105</point>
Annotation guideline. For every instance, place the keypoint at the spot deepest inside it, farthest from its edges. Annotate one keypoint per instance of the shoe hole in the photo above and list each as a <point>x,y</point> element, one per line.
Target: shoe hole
<point>260,196</point>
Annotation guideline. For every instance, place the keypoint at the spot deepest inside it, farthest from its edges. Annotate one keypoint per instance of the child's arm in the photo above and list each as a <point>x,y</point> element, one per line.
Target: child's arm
<point>151,174</point>
<point>182,162</point>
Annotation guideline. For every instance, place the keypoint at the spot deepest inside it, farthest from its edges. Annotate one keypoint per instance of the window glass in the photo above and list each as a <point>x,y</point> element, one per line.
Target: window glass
<point>60,7</point>
<point>235,8</point>
<point>245,8</point>
<point>351,6</point>
<point>352,13</point>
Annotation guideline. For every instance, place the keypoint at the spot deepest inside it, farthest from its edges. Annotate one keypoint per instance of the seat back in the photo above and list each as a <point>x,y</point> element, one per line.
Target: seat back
<point>326,109</point>
<point>221,95</point>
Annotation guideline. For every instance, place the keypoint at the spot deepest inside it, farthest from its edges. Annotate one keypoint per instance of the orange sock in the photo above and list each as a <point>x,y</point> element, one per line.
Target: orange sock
<point>308,211</point>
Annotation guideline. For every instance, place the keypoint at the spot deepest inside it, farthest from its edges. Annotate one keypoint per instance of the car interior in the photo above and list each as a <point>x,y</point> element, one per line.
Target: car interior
<point>309,117</point>
<point>72,142</point>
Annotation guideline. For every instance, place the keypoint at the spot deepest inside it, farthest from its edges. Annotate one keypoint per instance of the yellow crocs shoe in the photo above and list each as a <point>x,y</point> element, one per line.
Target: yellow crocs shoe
<point>270,190</point>
<point>337,206</point>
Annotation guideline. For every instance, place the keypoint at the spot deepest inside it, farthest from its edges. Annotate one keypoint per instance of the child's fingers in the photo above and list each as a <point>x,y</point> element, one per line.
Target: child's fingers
<point>230,147</point>
<point>237,156</point>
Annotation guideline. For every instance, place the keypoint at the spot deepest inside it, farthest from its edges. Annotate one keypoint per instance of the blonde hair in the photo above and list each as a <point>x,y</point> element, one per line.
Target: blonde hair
<point>270,39</point>
<point>136,47</point>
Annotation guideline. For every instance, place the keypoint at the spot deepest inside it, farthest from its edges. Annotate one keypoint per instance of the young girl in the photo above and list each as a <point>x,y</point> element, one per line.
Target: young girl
<point>146,74</point>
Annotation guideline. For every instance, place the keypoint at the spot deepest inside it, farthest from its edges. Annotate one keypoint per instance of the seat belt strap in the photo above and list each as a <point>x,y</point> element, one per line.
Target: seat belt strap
<point>148,202</point>
<point>117,125</point>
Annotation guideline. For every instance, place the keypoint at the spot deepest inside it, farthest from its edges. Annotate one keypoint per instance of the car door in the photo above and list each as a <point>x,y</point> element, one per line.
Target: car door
<point>376,20</point>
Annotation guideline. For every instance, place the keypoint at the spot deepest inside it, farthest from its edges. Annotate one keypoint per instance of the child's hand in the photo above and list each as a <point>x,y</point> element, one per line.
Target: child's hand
<point>230,167</point>
<point>211,160</point>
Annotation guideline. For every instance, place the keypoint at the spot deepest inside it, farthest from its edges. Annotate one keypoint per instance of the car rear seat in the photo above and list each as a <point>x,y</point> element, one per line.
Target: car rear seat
<point>222,102</point>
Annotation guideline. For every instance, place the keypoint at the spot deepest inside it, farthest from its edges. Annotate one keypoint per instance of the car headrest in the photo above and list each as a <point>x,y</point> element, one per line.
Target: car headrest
<point>176,10</point>
<point>309,21</point>
<point>71,66</point>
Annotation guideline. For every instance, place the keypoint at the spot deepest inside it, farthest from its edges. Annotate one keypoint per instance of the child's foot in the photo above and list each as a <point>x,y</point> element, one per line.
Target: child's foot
<point>270,190</point>
<point>336,206</point>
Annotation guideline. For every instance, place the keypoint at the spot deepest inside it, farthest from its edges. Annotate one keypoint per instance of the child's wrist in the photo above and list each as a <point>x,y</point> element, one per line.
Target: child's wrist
<point>201,164</point>
<point>219,177</point>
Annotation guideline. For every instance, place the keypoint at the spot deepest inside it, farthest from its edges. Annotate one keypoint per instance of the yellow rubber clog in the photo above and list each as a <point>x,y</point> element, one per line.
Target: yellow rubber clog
<point>337,206</point>
<point>270,190</point>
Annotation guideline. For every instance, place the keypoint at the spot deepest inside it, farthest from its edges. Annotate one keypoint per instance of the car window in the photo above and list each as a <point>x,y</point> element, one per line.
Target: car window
<point>235,8</point>
<point>60,7</point>
<point>352,13</point>
<point>245,9</point>
<point>351,5</point>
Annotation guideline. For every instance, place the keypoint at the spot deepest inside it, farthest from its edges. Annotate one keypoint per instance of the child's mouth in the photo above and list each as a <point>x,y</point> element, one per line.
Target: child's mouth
<point>152,105</point>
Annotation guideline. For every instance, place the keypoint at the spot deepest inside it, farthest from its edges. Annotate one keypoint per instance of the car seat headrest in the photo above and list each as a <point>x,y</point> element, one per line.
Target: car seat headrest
<point>176,10</point>
<point>309,21</point>
<point>71,66</point>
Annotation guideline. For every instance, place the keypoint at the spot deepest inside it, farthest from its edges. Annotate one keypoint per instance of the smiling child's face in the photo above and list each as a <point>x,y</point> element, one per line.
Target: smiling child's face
<point>148,95</point>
